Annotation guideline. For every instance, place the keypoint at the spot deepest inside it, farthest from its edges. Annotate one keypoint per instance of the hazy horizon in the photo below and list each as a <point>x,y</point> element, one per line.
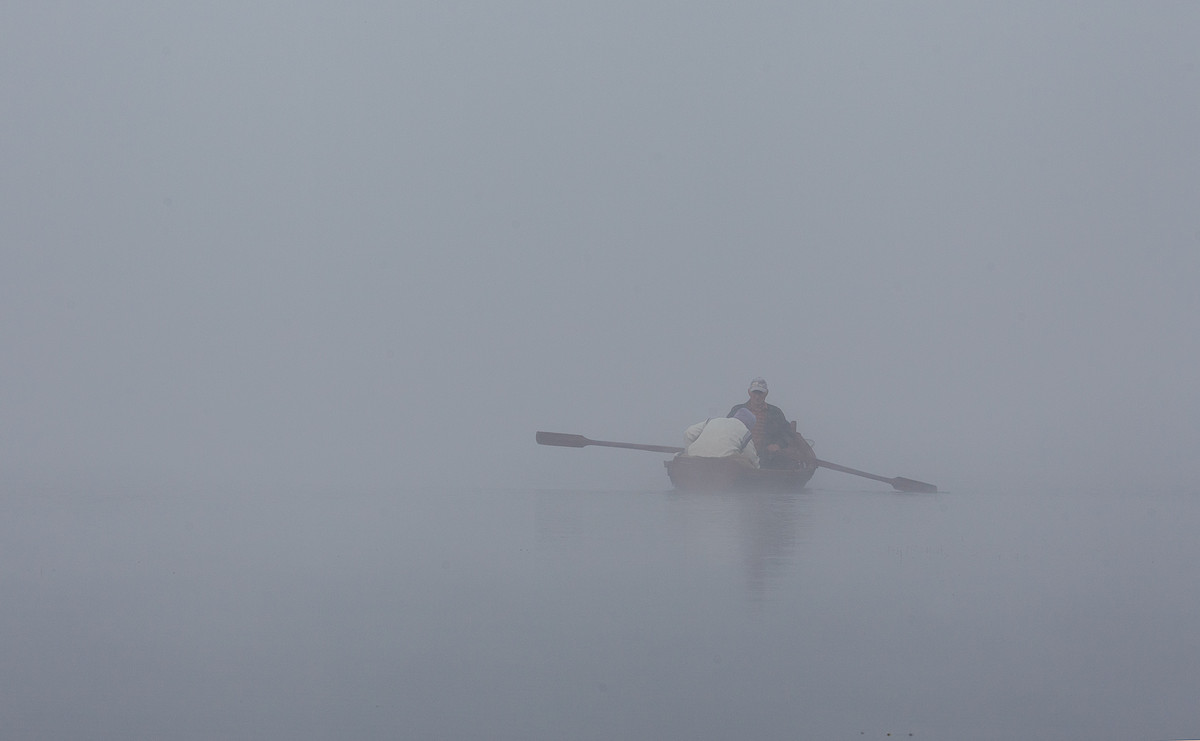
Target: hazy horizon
<point>307,246</point>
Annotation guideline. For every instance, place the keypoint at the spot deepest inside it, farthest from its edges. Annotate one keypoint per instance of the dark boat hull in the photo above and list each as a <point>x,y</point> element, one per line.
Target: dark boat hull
<point>733,474</point>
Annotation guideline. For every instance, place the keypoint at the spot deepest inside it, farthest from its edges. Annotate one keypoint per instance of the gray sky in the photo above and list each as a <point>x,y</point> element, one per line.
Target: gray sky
<point>372,244</point>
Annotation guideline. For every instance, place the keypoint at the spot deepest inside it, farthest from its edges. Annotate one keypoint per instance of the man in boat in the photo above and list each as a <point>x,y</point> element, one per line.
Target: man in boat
<point>772,433</point>
<point>723,437</point>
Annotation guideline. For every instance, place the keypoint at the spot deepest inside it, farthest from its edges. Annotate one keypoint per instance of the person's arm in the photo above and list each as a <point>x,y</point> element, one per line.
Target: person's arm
<point>781,430</point>
<point>751,453</point>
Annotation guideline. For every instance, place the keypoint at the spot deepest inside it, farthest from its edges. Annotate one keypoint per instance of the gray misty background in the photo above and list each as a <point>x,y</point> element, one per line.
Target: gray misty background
<point>313,246</point>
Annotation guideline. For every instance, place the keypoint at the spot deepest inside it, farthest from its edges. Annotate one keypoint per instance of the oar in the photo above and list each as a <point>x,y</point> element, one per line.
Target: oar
<point>898,482</point>
<point>564,440</point>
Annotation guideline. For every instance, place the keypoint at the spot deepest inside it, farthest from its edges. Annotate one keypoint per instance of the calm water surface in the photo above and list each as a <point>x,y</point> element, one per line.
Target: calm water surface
<point>600,615</point>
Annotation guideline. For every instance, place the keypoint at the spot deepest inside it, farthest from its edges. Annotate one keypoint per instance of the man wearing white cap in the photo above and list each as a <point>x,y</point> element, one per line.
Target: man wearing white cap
<point>772,433</point>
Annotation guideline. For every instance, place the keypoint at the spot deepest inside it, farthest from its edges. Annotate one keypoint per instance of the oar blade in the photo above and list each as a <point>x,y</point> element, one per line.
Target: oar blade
<point>902,484</point>
<point>562,439</point>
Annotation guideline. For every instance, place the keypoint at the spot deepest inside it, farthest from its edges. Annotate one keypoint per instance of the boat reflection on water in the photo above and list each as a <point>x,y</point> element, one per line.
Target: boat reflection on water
<point>753,534</point>
<point>759,531</point>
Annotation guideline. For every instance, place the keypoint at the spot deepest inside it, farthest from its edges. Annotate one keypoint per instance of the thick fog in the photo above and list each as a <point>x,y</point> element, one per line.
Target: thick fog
<point>327,246</point>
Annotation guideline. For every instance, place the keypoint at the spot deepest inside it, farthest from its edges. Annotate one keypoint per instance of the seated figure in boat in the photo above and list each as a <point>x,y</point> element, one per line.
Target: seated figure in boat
<point>776,438</point>
<point>723,437</point>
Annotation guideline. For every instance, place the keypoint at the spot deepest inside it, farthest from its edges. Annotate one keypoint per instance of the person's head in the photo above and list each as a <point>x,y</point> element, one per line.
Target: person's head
<point>758,390</point>
<point>746,417</point>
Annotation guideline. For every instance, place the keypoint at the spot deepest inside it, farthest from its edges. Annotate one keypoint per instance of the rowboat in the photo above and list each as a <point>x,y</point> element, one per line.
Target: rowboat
<point>735,473</point>
<point>692,473</point>
<point>688,473</point>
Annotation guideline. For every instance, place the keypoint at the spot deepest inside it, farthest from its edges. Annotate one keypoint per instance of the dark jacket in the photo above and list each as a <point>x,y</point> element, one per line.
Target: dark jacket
<point>776,428</point>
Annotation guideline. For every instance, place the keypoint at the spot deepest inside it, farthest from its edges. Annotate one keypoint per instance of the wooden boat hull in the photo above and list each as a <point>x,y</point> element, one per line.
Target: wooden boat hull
<point>734,474</point>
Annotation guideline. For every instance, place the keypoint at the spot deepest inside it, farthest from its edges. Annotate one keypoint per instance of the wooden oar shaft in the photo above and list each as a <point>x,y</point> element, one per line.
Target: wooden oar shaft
<point>566,440</point>
<point>635,446</point>
<point>853,471</point>
<point>898,482</point>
